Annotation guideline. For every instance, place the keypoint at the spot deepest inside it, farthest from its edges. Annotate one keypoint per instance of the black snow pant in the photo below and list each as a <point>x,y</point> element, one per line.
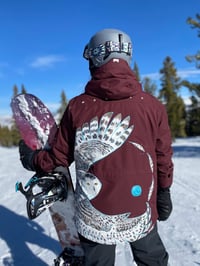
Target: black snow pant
<point>147,251</point>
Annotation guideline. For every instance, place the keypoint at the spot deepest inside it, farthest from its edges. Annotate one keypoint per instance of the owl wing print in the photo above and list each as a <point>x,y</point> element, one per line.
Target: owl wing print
<point>95,141</point>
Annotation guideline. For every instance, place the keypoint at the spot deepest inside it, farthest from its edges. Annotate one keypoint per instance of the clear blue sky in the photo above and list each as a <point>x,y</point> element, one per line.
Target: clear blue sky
<point>42,41</point>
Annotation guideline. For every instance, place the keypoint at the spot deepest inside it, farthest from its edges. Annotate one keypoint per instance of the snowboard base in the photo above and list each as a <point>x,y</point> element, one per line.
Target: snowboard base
<point>37,128</point>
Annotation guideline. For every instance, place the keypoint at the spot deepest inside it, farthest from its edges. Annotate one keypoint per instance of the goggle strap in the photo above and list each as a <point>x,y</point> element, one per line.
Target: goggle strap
<point>108,48</point>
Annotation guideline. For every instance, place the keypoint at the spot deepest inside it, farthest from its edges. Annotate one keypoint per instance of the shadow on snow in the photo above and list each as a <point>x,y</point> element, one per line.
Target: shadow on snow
<point>186,151</point>
<point>17,231</point>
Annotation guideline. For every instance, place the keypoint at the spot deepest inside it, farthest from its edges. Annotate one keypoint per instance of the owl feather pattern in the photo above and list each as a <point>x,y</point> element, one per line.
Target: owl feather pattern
<point>98,139</point>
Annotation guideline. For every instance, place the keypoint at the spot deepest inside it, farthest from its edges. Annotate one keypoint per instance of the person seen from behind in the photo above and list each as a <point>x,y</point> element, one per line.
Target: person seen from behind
<point>119,138</point>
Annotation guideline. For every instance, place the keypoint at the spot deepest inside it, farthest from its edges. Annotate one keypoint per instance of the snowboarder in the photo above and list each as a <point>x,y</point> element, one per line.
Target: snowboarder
<point>119,138</point>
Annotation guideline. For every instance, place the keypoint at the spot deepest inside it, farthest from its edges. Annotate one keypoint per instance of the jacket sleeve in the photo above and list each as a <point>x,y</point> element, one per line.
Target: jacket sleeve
<point>164,152</point>
<point>62,150</point>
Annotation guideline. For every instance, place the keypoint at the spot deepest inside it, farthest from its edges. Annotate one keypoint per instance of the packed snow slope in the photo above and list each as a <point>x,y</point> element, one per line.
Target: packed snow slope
<point>24,242</point>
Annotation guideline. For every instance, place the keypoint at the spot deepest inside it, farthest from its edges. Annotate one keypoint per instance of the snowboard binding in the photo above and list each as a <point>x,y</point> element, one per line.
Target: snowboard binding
<point>68,258</point>
<point>42,190</point>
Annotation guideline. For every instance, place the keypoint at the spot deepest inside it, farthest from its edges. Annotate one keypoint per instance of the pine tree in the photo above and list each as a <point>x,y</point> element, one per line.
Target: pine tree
<point>63,105</point>
<point>136,71</point>
<point>5,136</point>
<point>23,90</point>
<point>193,114</point>
<point>193,87</point>
<point>175,107</point>
<point>15,90</point>
<point>14,132</point>
<point>195,24</point>
<point>149,86</point>
<point>193,118</point>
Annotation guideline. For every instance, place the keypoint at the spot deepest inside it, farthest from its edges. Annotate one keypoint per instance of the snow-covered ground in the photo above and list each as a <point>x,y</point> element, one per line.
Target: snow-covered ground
<point>24,242</point>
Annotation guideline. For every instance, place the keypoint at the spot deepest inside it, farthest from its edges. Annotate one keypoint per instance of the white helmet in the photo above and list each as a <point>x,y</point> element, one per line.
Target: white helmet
<point>108,44</point>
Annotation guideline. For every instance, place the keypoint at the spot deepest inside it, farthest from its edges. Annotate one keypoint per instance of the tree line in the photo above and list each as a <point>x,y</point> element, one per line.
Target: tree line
<point>184,120</point>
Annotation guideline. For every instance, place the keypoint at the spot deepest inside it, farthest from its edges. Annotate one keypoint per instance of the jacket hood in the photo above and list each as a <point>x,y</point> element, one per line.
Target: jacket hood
<point>113,81</point>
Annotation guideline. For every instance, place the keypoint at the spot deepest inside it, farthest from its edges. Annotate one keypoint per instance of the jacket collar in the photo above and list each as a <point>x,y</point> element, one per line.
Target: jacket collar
<point>113,81</point>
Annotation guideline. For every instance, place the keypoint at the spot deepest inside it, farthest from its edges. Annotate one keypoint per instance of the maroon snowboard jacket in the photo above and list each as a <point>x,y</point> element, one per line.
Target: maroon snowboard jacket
<point>120,141</point>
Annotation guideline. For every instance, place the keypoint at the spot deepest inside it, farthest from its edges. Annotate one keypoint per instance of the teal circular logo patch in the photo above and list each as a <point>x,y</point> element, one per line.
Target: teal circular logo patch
<point>136,191</point>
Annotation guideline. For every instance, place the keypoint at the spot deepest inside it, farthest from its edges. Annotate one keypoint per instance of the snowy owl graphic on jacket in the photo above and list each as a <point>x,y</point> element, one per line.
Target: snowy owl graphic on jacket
<point>96,140</point>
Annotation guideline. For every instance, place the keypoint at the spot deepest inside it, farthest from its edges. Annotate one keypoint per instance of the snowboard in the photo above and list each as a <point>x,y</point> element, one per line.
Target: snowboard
<point>37,128</point>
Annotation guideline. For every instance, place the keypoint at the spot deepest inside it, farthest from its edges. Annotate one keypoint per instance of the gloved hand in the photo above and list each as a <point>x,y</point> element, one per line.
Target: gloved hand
<point>26,155</point>
<point>164,204</point>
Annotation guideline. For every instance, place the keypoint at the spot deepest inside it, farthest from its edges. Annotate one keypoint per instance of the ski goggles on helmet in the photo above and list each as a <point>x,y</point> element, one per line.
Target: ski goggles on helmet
<point>104,50</point>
